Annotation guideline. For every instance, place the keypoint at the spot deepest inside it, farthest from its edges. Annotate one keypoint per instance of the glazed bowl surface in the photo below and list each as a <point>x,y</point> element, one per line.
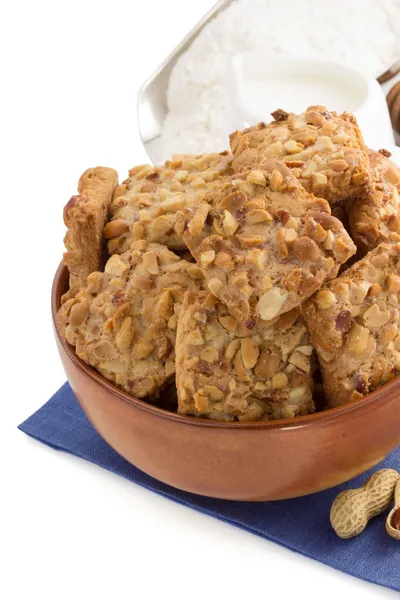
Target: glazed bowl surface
<point>267,460</point>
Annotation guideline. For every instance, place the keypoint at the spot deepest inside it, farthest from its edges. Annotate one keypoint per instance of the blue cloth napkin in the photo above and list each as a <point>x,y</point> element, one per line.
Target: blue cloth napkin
<point>301,524</point>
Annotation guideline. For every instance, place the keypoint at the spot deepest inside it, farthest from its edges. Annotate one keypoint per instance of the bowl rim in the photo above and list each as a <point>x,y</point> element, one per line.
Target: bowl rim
<point>282,424</point>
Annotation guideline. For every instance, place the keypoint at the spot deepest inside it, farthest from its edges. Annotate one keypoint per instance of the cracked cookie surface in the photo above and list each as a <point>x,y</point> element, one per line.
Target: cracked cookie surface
<point>324,150</point>
<point>85,216</point>
<point>354,326</point>
<point>123,322</point>
<point>263,242</point>
<point>227,371</point>
<point>145,205</point>
<point>376,219</point>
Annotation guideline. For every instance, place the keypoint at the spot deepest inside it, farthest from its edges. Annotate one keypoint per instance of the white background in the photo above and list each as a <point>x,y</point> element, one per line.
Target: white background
<point>70,75</point>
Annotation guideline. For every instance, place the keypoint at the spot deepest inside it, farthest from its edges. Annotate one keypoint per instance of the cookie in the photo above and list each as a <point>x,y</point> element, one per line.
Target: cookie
<point>85,216</point>
<point>228,371</point>
<point>123,322</point>
<point>263,242</point>
<point>353,323</point>
<point>376,219</point>
<point>146,204</point>
<point>323,149</point>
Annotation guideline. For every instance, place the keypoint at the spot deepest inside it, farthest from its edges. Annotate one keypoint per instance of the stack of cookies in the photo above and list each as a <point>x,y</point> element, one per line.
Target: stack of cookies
<point>223,271</point>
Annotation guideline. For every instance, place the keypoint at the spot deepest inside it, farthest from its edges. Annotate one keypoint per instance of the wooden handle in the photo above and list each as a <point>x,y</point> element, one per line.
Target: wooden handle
<point>393,102</point>
<point>390,73</point>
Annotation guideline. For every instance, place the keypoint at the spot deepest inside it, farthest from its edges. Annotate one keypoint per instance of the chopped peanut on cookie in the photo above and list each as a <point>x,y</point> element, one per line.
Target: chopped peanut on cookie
<point>376,219</point>
<point>323,149</point>
<point>263,242</point>
<point>145,205</point>
<point>85,216</point>
<point>123,322</point>
<point>354,326</point>
<point>258,370</point>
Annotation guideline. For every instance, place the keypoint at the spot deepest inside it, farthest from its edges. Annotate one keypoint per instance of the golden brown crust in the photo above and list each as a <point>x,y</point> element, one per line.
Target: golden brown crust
<point>145,205</point>
<point>324,150</point>
<point>376,218</point>
<point>354,326</point>
<point>263,242</point>
<point>228,371</point>
<point>85,216</point>
<point>123,321</point>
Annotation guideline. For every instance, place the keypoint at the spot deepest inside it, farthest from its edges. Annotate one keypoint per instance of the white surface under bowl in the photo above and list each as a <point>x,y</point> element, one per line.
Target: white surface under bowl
<point>261,84</point>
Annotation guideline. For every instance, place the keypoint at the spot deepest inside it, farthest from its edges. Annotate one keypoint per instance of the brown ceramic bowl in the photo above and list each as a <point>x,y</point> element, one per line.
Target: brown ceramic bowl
<point>269,460</point>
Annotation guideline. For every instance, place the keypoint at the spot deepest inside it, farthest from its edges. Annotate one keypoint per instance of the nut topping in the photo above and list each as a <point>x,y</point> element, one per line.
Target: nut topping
<point>393,282</point>
<point>250,352</point>
<point>325,299</point>
<point>233,201</point>
<point>197,223</point>
<point>116,266</point>
<point>230,224</point>
<point>356,339</point>
<point>228,322</point>
<point>374,317</point>
<point>300,360</point>
<point>271,302</point>
<point>280,380</point>
<point>322,146</point>
<point>242,377</point>
<point>142,350</point>
<point>115,228</point>
<point>257,215</point>
<point>293,147</point>
<point>268,363</point>
<point>206,258</point>
<point>315,118</point>
<point>339,165</point>
<point>215,285</point>
<point>306,249</point>
<point>276,180</point>
<point>231,349</point>
<point>209,354</point>
<point>150,262</point>
<point>254,230</point>
<point>257,177</point>
<point>319,180</point>
<point>78,313</point>
<point>359,291</point>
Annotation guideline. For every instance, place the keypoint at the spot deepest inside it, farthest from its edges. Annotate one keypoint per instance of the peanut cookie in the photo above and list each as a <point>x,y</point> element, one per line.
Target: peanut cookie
<point>85,216</point>
<point>376,219</point>
<point>145,205</point>
<point>263,242</point>
<point>353,323</point>
<point>324,150</point>
<point>256,371</point>
<point>123,321</point>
